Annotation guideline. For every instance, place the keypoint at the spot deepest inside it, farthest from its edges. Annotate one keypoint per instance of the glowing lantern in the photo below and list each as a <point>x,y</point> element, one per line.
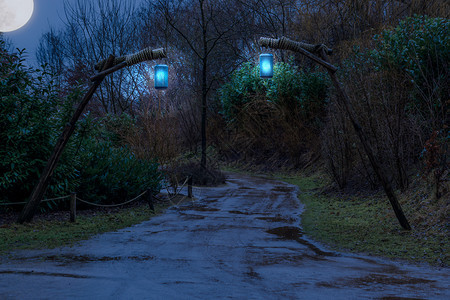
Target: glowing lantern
<point>161,77</point>
<point>266,65</point>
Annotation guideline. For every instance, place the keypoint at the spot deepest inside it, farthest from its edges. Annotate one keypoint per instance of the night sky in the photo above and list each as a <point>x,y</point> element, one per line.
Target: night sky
<point>46,13</point>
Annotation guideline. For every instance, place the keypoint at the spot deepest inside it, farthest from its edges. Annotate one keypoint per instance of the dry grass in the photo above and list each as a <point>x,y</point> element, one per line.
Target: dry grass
<point>365,222</point>
<point>267,136</point>
<point>51,230</point>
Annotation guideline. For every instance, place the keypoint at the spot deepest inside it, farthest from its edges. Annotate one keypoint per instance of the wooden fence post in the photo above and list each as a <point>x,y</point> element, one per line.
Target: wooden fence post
<point>190,187</point>
<point>73,207</point>
<point>150,200</point>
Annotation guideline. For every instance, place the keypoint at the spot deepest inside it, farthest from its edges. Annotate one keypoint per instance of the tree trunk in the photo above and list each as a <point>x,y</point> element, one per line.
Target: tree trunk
<point>204,105</point>
<point>204,86</point>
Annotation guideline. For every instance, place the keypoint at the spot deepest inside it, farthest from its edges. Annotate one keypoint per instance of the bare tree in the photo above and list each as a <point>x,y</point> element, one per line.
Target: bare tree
<point>49,52</point>
<point>272,17</point>
<point>93,30</point>
<point>208,32</point>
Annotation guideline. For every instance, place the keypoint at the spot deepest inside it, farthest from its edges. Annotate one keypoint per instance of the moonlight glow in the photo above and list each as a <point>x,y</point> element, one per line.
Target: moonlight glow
<point>14,14</point>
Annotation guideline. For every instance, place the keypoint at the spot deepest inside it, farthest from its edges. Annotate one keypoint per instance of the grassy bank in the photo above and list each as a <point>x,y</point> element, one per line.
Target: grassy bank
<point>366,223</point>
<point>55,232</point>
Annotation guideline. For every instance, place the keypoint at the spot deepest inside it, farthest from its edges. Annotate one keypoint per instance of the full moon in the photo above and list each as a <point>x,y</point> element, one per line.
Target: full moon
<point>14,14</point>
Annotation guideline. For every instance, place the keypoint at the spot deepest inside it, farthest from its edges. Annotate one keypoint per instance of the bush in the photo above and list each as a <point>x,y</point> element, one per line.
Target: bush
<point>113,174</point>
<point>243,85</point>
<point>288,108</point>
<point>28,121</point>
<point>419,48</point>
<point>95,163</point>
<point>303,91</point>
<point>398,90</point>
<point>109,172</point>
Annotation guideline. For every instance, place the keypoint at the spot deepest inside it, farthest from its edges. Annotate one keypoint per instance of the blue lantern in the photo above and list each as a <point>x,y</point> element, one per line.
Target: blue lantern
<point>266,65</point>
<point>161,77</point>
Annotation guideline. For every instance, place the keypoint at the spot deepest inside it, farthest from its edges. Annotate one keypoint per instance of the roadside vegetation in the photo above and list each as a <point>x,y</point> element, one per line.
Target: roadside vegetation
<point>358,221</point>
<point>51,230</point>
<point>97,164</point>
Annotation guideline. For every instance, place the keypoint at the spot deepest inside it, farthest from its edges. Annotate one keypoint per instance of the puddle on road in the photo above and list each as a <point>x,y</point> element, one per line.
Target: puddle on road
<point>211,200</point>
<point>68,258</point>
<point>180,282</point>
<point>388,280</point>
<point>295,233</point>
<point>288,258</point>
<point>252,274</point>
<point>238,212</point>
<point>283,189</point>
<point>197,208</point>
<point>44,274</point>
<point>192,216</point>
<point>206,209</point>
<point>150,232</point>
<point>375,278</point>
<point>287,232</point>
<point>277,219</point>
<point>400,298</point>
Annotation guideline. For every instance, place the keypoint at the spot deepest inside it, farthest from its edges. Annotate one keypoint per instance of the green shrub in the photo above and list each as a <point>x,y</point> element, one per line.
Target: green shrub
<point>28,119</point>
<point>290,88</point>
<point>285,87</point>
<point>399,90</point>
<point>273,121</point>
<point>419,47</point>
<point>110,172</point>
<point>95,163</point>
<point>244,84</point>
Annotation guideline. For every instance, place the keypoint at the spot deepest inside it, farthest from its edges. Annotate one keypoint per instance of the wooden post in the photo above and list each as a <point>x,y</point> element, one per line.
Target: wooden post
<point>190,187</point>
<point>286,44</point>
<point>73,207</point>
<point>39,190</point>
<point>150,200</point>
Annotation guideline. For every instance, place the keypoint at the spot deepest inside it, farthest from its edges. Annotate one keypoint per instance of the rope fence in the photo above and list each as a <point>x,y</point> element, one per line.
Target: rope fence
<point>45,200</point>
<point>73,199</point>
<point>111,205</point>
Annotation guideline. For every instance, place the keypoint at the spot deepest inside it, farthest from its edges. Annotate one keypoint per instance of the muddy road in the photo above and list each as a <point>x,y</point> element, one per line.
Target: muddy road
<point>239,241</point>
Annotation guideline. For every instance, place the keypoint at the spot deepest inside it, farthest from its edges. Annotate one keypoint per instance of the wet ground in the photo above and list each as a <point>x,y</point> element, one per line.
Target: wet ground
<point>239,241</point>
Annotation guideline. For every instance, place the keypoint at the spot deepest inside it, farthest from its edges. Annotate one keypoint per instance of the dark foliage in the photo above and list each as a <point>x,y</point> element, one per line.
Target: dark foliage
<point>95,164</point>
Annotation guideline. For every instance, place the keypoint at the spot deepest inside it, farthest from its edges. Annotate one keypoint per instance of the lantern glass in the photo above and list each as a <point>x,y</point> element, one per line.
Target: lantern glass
<point>161,77</point>
<point>266,65</point>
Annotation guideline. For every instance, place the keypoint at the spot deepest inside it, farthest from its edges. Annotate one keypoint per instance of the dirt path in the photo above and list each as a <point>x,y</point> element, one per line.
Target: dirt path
<point>242,241</point>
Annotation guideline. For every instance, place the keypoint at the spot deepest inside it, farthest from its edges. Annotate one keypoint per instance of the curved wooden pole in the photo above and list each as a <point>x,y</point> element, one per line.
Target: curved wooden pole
<point>39,190</point>
<point>106,67</point>
<point>129,60</point>
<point>286,44</point>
